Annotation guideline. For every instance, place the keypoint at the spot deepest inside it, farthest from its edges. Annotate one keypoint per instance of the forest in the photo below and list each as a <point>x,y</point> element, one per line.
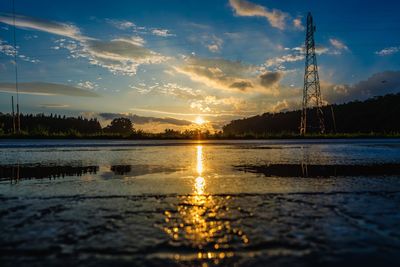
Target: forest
<point>56,126</point>
<point>376,115</point>
<point>40,124</point>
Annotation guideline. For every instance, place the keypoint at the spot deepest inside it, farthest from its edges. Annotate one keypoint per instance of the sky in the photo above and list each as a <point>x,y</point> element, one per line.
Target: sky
<point>170,64</point>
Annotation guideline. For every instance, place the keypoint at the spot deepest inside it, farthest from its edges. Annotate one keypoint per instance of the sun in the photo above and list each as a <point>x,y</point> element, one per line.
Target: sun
<point>199,120</point>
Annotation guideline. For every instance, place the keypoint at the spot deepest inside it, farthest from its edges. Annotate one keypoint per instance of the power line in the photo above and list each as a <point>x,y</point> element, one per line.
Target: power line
<point>16,68</point>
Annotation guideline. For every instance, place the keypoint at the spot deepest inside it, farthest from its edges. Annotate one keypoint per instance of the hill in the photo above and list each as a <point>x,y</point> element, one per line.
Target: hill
<point>380,114</point>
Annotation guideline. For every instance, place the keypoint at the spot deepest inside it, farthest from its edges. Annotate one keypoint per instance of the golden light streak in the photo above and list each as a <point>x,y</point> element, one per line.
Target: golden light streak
<point>199,120</point>
<point>198,219</point>
<point>199,165</point>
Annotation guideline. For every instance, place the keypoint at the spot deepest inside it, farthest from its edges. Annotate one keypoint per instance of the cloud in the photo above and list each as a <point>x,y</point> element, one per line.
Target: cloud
<point>58,28</point>
<point>128,25</point>
<point>214,43</point>
<point>179,91</point>
<point>136,119</point>
<point>224,74</point>
<point>241,85</point>
<point>298,54</point>
<point>320,49</point>
<point>148,124</point>
<point>170,89</point>
<point>278,61</point>
<point>247,9</point>
<point>210,41</point>
<point>213,104</point>
<point>198,99</point>
<point>53,106</point>
<point>162,32</point>
<point>120,56</point>
<point>388,51</point>
<point>378,84</point>
<point>269,79</point>
<point>88,85</point>
<point>298,24</point>
<point>213,48</point>
<point>10,51</point>
<point>135,40</point>
<point>280,106</point>
<point>43,88</point>
<point>121,24</point>
<point>339,45</point>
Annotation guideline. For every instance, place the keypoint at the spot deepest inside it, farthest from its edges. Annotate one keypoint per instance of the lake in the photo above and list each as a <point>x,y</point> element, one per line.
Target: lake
<point>199,203</point>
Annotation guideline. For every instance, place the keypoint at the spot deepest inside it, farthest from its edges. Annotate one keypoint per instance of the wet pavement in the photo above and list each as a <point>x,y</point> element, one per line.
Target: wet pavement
<point>197,204</point>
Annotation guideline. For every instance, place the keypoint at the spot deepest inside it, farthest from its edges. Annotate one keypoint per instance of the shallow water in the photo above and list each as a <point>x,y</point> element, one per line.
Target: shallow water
<point>185,203</point>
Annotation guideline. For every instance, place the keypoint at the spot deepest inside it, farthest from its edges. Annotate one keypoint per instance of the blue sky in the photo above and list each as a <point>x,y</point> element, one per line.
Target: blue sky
<point>219,60</point>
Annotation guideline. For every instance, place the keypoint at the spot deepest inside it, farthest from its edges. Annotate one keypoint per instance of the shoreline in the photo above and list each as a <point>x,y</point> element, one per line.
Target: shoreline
<point>272,137</point>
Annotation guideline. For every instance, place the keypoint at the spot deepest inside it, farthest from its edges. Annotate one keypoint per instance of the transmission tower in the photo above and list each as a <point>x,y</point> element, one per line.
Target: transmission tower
<point>311,89</point>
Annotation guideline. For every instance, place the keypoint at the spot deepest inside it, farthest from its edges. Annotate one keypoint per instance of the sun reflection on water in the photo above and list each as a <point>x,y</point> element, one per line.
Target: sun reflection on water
<point>203,222</point>
<point>199,161</point>
<point>200,182</point>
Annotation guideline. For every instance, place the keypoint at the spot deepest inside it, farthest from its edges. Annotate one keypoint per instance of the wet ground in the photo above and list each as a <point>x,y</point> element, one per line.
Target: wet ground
<point>279,203</point>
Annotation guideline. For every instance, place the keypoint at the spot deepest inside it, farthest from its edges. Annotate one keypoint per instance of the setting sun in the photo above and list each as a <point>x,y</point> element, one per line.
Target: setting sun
<point>199,121</point>
<point>230,132</point>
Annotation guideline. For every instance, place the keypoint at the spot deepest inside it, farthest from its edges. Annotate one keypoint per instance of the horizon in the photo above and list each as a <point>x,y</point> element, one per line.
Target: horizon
<point>203,63</point>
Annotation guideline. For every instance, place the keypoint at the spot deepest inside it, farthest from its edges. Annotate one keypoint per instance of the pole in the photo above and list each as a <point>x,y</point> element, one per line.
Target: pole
<point>13,114</point>
<point>16,69</point>
<point>333,119</point>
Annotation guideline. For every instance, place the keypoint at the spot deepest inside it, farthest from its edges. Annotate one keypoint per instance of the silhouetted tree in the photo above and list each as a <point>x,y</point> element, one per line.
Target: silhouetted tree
<point>42,124</point>
<point>379,114</point>
<point>120,126</point>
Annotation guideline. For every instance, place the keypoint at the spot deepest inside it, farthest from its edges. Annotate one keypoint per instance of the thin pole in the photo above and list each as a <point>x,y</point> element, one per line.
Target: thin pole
<point>13,114</point>
<point>16,69</point>
<point>333,118</point>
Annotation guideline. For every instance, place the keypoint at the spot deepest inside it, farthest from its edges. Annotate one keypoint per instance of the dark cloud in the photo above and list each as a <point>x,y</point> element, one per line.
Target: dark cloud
<point>224,74</point>
<point>378,84</point>
<point>268,79</point>
<point>42,88</point>
<point>143,120</point>
<point>242,85</point>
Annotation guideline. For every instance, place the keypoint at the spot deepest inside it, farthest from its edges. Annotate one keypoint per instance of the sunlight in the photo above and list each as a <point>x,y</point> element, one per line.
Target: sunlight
<point>199,182</point>
<point>199,165</point>
<point>199,120</point>
<point>199,185</point>
<point>199,220</point>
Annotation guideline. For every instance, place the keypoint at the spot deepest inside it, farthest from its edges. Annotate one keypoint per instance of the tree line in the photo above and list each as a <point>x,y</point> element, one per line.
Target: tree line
<point>50,124</point>
<point>42,125</point>
<point>376,115</point>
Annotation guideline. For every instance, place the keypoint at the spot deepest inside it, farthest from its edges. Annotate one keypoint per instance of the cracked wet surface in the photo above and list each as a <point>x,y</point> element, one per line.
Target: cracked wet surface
<point>189,205</point>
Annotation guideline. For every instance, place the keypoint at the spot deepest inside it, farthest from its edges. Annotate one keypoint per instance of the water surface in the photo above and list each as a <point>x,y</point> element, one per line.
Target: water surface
<point>280,202</point>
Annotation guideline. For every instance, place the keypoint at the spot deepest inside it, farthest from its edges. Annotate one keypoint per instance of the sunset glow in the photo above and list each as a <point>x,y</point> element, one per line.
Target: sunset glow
<point>161,70</point>
<point>199,121</point>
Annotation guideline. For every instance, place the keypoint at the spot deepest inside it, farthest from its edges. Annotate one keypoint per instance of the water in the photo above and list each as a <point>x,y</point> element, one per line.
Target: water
<point>205,203</point>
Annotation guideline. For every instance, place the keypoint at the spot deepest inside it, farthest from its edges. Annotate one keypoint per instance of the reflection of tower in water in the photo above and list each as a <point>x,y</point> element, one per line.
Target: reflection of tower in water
<point>203,222</point>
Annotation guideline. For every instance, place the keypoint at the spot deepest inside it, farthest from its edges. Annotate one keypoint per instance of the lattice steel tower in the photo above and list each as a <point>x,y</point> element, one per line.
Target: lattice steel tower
<point>311,89</point>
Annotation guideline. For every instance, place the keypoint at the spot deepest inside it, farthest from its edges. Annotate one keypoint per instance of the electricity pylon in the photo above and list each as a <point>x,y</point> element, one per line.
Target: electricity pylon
<point>311,89</point>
